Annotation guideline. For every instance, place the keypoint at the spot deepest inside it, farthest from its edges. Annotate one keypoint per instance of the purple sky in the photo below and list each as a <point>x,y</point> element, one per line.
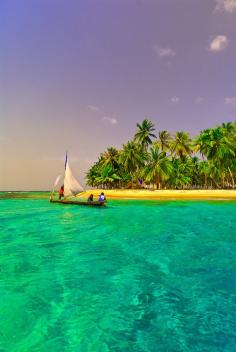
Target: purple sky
<point>78,75</point>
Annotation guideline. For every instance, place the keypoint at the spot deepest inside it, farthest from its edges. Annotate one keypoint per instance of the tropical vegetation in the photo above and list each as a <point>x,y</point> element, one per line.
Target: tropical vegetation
<point>169,161</point>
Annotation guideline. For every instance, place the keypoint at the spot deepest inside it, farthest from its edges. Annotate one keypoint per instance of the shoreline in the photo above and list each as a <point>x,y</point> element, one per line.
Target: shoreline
<point>163,194</point>
<point>132,194</point>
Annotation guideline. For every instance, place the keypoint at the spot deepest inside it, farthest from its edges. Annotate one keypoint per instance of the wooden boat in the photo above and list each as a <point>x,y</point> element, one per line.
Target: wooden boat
<point>77,202</point>
<point>71,189</point>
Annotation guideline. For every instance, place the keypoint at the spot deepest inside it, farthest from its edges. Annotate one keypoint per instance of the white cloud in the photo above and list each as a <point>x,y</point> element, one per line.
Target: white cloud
<point>218,43</point>
<point>111,120</point>
<point>225,5</point>
<point>230,101</point>
<point>175,100</point>
<point>163,52</point>
<point>198,100</point>
<point>93,108</point>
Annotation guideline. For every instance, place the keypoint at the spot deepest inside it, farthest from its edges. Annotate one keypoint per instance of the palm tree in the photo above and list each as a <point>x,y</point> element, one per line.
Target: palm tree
<point>201,143</point>
<point>220,150</point>
<point>229,128</point>
<point>164,140</point>
<point>131,158</point>
<point>110,157</point>
<point>204,173</point>
<point>107,176</point>
<point>181,145</point>
<point>92,175</point>
<point>193,163</point>
<point>144,133</point>
<point>180,176</point>
<point>158,168</point>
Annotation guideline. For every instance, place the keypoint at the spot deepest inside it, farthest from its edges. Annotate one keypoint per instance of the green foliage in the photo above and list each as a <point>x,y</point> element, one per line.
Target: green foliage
<point>158,167</point>
<point>131,157</point>
<point>164,141</point>
<point>145,133</point>
<point>178,162</point>
<point>181,145</point>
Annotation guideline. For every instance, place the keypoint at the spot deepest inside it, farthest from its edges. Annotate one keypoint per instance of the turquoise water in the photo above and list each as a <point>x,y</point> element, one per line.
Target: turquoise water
<point>138,276</point>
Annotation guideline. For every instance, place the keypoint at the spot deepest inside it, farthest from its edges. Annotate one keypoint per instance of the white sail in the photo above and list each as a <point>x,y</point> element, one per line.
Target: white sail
<point>55,185</point>
<point>71,185</point>
<point>56,182</point>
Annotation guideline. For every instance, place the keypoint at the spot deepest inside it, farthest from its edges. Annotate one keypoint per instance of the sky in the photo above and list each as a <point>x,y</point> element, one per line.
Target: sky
<point>77,75</point>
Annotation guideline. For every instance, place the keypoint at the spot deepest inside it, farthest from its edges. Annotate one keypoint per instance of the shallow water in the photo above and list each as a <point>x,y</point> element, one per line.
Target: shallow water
<point>135,276</point>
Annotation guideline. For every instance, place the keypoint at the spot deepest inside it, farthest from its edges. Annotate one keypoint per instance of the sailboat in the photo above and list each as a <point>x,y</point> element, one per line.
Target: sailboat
<point>71,189</point>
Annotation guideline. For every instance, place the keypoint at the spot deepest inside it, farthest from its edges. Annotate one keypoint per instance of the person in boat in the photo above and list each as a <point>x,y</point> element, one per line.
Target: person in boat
<point>61,192</point>
<point>101,197</point>
<point>90,198</point>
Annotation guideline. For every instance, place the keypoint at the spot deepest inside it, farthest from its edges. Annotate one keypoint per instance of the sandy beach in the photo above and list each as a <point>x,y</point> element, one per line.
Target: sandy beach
<point>163,194</point>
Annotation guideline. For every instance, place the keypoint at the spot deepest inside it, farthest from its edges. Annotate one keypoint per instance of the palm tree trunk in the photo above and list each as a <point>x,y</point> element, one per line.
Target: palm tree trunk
<point>205,181</point>
<point>223,179</point>
<point>215,183</point>
<point>231,175</point>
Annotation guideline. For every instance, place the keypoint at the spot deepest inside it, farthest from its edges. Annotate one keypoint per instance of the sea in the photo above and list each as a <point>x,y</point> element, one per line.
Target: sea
<point>135,276</point>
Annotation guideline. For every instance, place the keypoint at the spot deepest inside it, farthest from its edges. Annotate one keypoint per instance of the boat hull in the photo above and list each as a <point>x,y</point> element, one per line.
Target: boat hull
<point>76,202</point>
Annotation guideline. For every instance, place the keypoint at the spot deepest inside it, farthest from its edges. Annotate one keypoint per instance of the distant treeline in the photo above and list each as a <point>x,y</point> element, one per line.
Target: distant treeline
<point>161,160</point>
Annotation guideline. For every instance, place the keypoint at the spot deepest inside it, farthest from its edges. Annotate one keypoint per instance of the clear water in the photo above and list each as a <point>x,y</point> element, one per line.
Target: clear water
<point>137,276</point>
